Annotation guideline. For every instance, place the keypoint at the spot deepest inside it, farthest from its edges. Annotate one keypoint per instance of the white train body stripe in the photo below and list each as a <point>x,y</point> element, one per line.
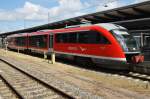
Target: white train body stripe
<point>93,56</point>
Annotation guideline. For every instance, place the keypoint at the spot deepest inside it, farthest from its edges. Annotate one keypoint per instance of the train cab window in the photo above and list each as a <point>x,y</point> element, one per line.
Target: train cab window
<point>91,37</point>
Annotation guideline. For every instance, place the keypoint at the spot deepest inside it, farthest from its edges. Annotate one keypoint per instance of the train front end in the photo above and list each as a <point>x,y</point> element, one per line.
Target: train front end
<point>124,41</point>
<point>129,45</point>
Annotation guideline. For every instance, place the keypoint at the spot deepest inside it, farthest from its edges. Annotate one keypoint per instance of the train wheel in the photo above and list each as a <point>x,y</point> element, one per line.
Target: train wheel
<point>83,61</point>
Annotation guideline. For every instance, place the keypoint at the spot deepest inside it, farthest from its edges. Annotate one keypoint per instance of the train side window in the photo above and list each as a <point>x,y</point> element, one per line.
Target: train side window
<point>66,38</point>
<point>42,41</point>
<point>72,37</point>
<point>32,40</point>
<point>85,37</point>
<point>38,41</point>
<point>104,40</point>
<point>60,38</point>
<point>20,41</point>
<point>91,37</point>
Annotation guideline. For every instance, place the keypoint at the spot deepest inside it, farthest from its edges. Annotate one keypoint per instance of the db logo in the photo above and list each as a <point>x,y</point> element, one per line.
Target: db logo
<point>102,48</point>
<point>82,49</point>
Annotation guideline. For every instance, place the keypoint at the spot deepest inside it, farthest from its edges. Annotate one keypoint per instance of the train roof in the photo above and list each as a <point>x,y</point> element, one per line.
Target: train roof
<point>39,33</point>
<point>18,35</point>
<point>107,26</point>
<point>110,26</point>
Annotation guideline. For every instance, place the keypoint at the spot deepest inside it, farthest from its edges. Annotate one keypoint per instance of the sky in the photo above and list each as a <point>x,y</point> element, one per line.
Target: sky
<point>20,14</point>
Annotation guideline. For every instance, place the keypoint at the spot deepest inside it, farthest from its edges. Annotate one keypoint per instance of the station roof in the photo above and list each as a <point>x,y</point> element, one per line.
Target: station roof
<point>135,17</point>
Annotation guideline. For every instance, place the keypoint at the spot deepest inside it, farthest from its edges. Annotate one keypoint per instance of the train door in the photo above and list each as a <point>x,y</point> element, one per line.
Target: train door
<point>51,42</point>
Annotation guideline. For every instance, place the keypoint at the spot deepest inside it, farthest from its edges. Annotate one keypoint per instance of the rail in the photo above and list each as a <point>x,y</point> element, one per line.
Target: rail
<point>64,94</point>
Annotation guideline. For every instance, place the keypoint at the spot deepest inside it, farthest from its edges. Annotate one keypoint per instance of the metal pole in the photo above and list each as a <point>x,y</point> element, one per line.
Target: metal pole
<point>3,42</point>
<point>6,45</point>
<point>18,49</point>
<point>53,57</point>
<point>45,56</point>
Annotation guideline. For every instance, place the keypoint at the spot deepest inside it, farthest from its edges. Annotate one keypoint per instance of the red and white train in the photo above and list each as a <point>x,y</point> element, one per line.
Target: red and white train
<point>103,43</point>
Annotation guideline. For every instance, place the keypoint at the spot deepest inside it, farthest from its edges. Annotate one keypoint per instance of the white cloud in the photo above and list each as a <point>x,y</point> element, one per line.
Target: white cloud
<point>32,11</point>
<point>29,12</point>
<point>66,8</point>
<point>6,15</point>
<point>35,14</point>
<point>39,14</point>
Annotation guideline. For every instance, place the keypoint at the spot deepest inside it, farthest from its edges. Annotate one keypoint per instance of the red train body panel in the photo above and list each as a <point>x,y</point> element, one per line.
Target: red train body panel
<point>97,50</point>
<point>12,41</point>
<point>102,43</point>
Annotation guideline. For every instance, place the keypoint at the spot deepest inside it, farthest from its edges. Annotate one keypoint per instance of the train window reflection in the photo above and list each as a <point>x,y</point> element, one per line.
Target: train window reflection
<point>83,37</point>
<point>39,41</point>
<point>20,41</point>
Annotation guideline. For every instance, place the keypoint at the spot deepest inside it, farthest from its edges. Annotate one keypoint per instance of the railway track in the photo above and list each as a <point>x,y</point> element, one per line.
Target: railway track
<point>68,89</point>
<point>5,91</point>
<point>24,86</point>
<point>132,74</point>
<point>139,76</point>
<point>36,70</point>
